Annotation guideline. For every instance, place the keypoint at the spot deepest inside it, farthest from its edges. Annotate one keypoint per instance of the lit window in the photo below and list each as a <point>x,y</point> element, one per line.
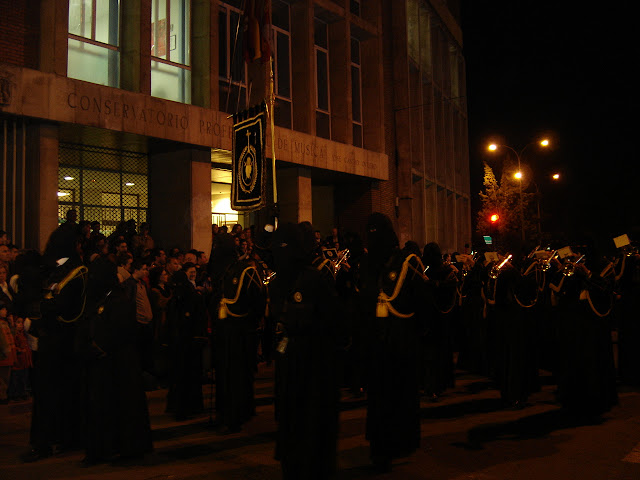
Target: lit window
<point>170,50</point>
<point>93,41</point>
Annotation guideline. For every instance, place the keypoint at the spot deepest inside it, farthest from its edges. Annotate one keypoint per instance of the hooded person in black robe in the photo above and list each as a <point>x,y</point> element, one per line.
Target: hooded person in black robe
<point>585,371</point>
<point>187,324</point>
<point>57,415</point>
<point>438,338</point>
<point>116,405</point>
<point>393,293</point>
<point>307,394</point>
<point>515,369</point>
<point>241,306</point>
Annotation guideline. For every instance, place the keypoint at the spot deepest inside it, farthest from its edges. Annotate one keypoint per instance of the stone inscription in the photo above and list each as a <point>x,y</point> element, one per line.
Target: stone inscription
<point>125,110</point>
<point>217,130</point>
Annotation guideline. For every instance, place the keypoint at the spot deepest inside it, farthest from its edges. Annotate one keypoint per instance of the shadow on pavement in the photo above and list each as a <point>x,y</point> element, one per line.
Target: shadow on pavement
<point>533,426</point>
<point>459,409</point>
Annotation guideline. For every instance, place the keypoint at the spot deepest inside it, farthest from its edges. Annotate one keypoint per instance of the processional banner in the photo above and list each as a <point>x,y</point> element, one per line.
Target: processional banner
<point>248,166</point>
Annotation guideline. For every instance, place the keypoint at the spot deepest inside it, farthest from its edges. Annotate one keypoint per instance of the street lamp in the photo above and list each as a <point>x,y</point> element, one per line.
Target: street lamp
<point>518,175</point>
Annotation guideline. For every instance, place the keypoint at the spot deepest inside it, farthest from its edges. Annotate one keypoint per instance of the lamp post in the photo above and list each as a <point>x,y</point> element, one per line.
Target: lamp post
<point>518,175</point>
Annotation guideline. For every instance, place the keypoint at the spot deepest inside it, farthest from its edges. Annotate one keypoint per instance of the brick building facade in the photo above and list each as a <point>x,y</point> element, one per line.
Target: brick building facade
<point>370,115</point>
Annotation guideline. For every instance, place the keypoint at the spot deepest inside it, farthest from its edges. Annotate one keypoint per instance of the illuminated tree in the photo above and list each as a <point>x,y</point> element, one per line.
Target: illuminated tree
<point>502,199</point>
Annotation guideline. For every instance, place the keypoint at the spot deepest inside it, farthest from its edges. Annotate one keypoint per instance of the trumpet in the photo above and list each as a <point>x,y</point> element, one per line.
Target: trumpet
<point>269,275</point>
<point>546,263</point>
<point>344,255</point>
<point>495,270</point>
<point>570,267</point>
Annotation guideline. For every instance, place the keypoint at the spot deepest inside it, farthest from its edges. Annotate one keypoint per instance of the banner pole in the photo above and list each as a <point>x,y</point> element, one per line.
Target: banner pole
<point>273,135</point>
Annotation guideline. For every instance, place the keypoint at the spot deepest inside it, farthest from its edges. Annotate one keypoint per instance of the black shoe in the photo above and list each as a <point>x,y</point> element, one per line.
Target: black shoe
<point>34,455</point>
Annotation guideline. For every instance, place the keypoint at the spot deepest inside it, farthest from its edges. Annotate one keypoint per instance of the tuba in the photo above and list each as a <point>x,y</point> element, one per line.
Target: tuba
<point>495,270</point>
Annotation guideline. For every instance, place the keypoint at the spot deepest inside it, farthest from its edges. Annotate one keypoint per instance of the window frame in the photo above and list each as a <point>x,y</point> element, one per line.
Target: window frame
<point>173,63</point>
<point>91,40</point>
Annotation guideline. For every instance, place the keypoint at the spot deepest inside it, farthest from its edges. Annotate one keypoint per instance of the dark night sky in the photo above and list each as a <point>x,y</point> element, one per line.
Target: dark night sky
<point>536,68</point>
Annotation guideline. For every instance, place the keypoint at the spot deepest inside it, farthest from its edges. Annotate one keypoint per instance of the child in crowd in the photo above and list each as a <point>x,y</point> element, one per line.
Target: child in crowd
<point>7,353</point>
<point>20,373</point>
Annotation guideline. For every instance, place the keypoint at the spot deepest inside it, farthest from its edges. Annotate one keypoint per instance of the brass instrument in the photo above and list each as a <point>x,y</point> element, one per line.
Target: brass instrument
<point>495,270</point>
<point>344,255</point>
<point>569,267</point>
<point>546,263</point>
<point>269,275</point>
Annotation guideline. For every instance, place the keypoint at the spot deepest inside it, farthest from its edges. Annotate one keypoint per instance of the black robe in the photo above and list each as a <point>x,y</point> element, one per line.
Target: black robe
<point>187,322</point>
<point>515,368</point>
<point>117,412</point>
<point>307,394</point>
<point>57,413</point>
<point>586,371</point>
<point>236,344</point>
<point>393,412</point>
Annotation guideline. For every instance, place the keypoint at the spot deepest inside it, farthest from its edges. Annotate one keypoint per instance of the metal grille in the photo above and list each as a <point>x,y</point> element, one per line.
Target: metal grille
<point>102,184</point>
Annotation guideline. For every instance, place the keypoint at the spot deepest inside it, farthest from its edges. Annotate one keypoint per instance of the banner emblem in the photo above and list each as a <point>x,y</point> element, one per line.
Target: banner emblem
<point>249,169</point>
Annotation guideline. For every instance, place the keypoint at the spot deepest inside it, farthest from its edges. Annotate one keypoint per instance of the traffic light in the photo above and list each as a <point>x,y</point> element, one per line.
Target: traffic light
<point>494,218</point>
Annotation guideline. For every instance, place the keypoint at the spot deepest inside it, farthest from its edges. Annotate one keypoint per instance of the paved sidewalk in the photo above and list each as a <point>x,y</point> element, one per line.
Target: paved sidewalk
<point>466,435</point>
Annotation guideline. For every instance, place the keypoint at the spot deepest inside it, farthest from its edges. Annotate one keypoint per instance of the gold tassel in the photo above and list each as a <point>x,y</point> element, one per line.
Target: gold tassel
<point>382,311</point>
<point>222,311</point>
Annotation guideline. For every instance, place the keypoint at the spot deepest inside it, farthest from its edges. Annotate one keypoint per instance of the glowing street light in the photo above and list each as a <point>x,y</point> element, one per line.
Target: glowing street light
<point>518,175</point>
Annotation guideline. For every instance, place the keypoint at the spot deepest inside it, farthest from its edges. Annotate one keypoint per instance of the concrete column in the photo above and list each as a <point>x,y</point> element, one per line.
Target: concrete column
<point>294,195</point>
<point>180,196</point>
<point>371,74</point>
<point>41,200</point>
<point>202,40</point>
<point>303,67</point>
<point>54,31</point>
<point>402,119</point>
<point>340,81</point>
<point>201,200</point>
<point>135,51</point>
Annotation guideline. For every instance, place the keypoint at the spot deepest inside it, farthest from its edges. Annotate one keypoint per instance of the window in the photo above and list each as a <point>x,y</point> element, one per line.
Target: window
<point>282,65</point>
<point>232,68</point>
<point>103,184</point>
<point>356,92</point>
<point>323,113</point>
<point>170,50</point>
<point>93,41</point>
<point>354,6</point>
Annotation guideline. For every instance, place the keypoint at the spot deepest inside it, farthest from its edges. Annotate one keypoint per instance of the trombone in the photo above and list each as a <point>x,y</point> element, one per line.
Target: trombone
<point>495,270</point>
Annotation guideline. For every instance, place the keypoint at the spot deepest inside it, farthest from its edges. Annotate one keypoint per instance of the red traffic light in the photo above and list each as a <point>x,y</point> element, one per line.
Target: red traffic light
<point>494,218</point>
